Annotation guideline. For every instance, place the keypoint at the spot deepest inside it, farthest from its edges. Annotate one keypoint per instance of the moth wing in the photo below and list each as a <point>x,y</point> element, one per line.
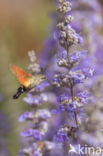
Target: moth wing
<point>23,77</point>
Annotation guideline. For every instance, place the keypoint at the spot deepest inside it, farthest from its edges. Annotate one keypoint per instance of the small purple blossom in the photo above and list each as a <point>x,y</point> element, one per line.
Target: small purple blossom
<point>78,77</point>
<point>43,86</point>
<point>30,99</point>
<point>84,96</point>
<point>62,98</point>
<point>37,135</point>
<point>72,106</point>
<point>32,132</point>
<point>35,100</point>
<point>26,116</point>
<point>61,136</point>
<point>88,72</point>
<point>43,113</point>
<point>27,133</point>
<point>77,56</point>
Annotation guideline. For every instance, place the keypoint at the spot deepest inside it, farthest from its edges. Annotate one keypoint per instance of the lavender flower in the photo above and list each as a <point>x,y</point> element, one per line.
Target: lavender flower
<point>71,77</point>
<point>37,118</point>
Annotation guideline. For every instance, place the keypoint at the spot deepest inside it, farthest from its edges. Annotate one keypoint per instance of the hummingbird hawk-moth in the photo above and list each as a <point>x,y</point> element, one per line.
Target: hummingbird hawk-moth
<point>27,80</point>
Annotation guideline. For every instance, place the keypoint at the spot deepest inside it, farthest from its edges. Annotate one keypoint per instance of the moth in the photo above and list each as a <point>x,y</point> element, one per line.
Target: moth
<point>26,80</point>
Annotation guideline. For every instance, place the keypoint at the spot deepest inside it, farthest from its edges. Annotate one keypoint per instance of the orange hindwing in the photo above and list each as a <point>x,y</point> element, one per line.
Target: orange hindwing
<point>23,77</point>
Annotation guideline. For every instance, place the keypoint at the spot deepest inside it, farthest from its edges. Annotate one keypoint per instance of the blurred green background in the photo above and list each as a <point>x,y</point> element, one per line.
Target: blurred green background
<point>24,26</point>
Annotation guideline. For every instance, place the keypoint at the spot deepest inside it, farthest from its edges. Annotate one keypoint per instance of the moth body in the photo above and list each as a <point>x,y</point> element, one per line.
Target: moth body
<point>26,80</point>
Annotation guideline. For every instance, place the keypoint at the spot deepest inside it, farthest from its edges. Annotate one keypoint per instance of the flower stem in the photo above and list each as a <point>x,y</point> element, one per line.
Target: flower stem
<point>76,120</point>
<point>72,95</point>
<point>71,90</point>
